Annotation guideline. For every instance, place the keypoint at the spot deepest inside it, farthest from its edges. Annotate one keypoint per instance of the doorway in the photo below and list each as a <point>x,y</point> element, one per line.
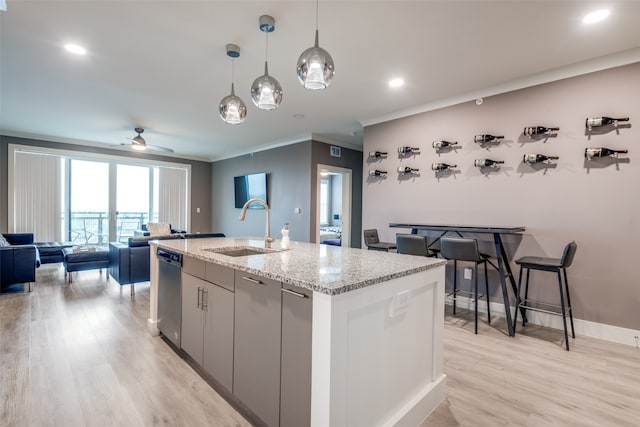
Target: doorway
<point>333,212</point>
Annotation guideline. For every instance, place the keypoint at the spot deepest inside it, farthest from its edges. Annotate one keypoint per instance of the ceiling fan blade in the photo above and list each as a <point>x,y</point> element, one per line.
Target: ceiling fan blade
<point>158,148</point>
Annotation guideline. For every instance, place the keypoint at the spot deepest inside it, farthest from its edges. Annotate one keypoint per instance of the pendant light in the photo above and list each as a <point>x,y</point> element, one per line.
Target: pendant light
<point>266,92</point>
<point>315,66</point>
<point>232,108</point>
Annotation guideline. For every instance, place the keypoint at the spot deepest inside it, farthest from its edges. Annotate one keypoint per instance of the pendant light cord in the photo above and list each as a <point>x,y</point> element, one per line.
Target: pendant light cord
<point>317,1</point>
<point>266,49</point>
<point>233,65</point>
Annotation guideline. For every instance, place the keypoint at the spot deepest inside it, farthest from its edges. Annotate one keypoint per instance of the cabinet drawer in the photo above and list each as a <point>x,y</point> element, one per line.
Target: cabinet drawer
<point>193,266</point>
<point>243,276</point>
<point>221,276</point>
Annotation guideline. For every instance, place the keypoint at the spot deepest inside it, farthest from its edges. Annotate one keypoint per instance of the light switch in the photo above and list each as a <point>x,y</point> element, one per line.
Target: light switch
<point>197,210</point>
<point>298,210</point>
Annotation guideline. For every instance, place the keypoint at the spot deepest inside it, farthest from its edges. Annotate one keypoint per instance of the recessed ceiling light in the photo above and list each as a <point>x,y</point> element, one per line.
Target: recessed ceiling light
<point>74,48</point>
<point>298,116</point>
<point>396,82</point>
<point>596,16</point>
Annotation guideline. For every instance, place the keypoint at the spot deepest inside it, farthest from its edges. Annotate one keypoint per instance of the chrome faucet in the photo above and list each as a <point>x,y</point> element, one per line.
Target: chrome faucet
<point>267,238</point>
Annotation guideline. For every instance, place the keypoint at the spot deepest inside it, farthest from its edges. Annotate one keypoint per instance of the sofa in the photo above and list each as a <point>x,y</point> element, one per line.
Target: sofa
<point>129,262</point>
<point>19,258</point>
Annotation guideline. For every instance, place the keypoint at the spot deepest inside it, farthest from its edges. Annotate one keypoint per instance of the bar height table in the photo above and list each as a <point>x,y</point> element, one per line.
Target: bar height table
<point>501,255</point>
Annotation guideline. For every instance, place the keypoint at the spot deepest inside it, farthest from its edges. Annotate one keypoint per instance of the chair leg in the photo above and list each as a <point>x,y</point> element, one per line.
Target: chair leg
<point>518,301</point>
<point>455,284</point>
<point>133,290</point>
<point>475,290</point>
<point>564,314</point>
<point>486,283</point>
<point>566,286</point>
<point>526,297</point>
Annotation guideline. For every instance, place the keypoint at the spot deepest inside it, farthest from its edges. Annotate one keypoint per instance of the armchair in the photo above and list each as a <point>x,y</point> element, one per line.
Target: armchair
<point>19,258</point>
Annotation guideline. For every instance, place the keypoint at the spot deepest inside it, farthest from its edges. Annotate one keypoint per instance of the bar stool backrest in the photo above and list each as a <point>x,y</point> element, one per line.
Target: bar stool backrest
<point>462,249</point>
<point>371,236</point>
<point>412,244</point>
<point>568,254</point>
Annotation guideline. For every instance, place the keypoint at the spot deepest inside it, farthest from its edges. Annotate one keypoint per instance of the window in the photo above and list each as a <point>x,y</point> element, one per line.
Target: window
<point>66,196</point>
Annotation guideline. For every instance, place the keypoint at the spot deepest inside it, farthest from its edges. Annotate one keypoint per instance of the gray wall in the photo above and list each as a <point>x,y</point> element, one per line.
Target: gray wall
<point>594,203</point>
<point>200,175</point>
<point>350,159</point>
<point>292,184</point>
<point>289,174</point>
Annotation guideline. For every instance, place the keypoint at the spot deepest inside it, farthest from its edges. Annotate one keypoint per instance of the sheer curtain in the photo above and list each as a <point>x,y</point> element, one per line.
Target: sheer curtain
<point>37,186</point>
<point>172,194</point>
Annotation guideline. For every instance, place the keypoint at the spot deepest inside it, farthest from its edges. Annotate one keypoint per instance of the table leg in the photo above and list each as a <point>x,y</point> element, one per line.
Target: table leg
<point>503,264</point>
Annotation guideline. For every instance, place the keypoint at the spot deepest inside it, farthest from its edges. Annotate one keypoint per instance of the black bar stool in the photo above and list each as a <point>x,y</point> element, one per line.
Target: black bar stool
<point>465,249</point>
<point>373,242</point>
<point>413,244</point>
<point>554,265</point>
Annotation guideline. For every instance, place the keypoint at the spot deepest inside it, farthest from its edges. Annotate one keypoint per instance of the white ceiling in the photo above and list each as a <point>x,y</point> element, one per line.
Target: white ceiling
<point>162,65</point>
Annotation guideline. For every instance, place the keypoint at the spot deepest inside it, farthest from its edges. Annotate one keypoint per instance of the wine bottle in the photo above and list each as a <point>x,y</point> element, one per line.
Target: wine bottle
<point>407,150</point>
<point>406,170</point>
<point>480,139</point>
<point>439,167</point>
<point>485,163</point>
<point>537,158</point>
<point>377,154</point>
<point>377,173</point>
<point>590,153</point>
<point>604,121</point>
<point>443,144</point>
<point>538,130</point>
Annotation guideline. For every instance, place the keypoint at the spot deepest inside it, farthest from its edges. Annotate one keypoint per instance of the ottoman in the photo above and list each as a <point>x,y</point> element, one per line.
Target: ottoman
<point>51,252</point>
<point>81,260</point>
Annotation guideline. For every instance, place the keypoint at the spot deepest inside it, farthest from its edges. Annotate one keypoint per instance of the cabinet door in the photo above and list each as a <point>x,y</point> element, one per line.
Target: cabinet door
<point>192,316</point>
<point>295,386</point>
<point>256,369</point>
<point>218,334</point>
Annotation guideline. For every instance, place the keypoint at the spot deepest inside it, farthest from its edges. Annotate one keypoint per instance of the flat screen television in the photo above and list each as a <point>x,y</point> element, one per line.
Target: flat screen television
<point>250,186</point>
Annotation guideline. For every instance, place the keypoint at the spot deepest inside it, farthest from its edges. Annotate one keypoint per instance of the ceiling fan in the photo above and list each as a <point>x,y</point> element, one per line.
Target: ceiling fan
<point>138,143</point>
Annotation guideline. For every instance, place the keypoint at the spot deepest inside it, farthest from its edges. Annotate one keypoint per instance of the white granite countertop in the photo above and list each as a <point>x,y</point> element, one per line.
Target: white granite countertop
<point>327,269</point>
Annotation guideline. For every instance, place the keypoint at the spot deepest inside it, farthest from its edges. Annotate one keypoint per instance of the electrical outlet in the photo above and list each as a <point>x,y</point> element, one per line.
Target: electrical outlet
<point>297,210</point>
<point>468,273</point>
<point>636,338</point>
<point>399,303</point>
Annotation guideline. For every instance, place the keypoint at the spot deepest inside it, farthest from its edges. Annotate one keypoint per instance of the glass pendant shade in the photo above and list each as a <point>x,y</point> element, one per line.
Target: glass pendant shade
<point>315,68</point>
<point>266,92</point>
<point>232,110</point>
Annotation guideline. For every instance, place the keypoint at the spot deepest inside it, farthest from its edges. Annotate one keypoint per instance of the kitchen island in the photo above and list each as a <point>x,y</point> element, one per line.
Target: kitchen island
<point>314,335</point>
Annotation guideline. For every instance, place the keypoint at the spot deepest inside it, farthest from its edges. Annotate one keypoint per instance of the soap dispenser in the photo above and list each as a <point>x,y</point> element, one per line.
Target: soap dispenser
<point>285,243</point>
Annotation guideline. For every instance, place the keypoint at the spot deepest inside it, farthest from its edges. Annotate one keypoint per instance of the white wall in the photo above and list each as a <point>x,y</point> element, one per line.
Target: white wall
<point>594,203</point>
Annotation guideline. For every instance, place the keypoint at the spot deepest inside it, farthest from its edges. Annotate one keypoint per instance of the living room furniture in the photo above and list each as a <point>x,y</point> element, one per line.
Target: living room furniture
<point>501,254</point>
<point>51,252</point>
<point>373,242</point>
<point>19,258</point>
<point>553,265</point>
<point>466,249</point>
<point>77,259</point>
<point>129,263</point>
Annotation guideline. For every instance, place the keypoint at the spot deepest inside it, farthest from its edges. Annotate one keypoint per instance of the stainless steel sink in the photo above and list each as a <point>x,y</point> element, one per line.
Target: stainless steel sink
<point>239,251</point>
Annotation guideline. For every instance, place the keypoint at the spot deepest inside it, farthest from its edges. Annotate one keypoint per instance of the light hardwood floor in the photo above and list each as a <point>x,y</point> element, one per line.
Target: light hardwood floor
<point>79,355</point>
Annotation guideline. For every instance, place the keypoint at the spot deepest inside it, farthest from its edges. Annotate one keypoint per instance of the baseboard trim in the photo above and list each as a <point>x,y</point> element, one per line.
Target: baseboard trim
<point>585,328</point>
<point>152,327</point>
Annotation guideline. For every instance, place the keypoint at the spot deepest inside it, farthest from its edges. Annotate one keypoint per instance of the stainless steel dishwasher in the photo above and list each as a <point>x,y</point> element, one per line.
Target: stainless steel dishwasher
<point>170,294</point>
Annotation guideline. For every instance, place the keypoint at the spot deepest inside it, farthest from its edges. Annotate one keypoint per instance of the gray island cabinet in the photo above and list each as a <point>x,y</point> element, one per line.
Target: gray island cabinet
<point>313,336</point>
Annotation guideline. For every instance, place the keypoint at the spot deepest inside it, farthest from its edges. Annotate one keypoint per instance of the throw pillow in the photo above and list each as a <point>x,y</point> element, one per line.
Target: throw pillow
<point>159,228</point>
<point>3,241</point>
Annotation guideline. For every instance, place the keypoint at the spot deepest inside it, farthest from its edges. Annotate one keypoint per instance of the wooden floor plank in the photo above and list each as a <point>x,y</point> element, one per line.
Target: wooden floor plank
<point>79,354</point>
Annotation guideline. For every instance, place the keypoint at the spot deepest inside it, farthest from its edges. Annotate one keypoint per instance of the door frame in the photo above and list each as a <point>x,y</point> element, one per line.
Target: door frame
<point>347,178</point>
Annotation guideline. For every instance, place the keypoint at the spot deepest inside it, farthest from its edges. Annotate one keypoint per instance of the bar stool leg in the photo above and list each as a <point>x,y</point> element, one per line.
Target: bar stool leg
<point>526,297</point>
<point>475,290</point>
<point>518,301</point>
<point>455,285</point>
<point>564,314</point>
<point>486,282</point>
<point>566,285</point>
